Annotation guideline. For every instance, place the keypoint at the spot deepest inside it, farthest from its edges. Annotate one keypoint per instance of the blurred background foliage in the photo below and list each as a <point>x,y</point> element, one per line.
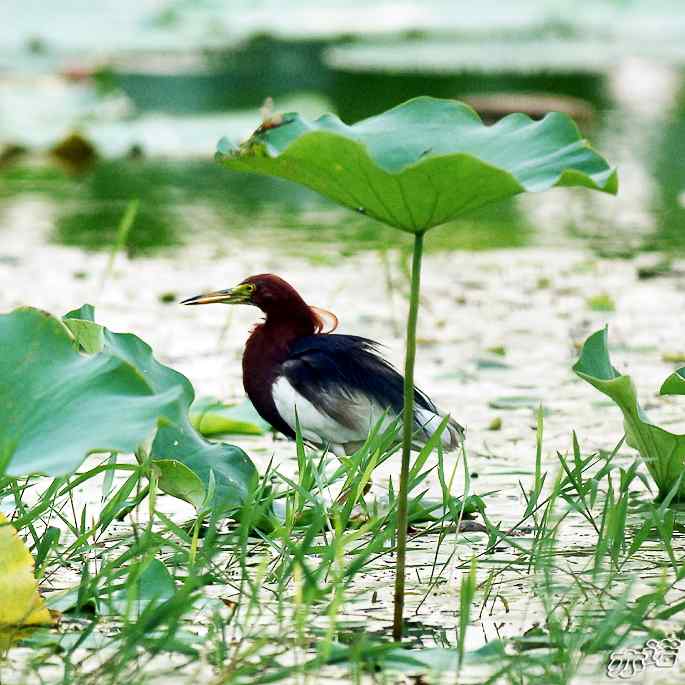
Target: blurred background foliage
<point>102,103</point>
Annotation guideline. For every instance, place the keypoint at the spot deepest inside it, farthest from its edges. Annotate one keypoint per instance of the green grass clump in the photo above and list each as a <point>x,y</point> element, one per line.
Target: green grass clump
<point>277,592</point>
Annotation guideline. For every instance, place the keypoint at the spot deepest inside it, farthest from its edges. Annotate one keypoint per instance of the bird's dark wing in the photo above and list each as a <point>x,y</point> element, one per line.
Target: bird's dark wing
<point>328,368</point>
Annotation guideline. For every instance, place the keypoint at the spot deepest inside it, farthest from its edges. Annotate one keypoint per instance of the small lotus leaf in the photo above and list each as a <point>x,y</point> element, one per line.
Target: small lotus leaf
<point>232,471</point>
<point>663,452</point>
<point>210,416</point>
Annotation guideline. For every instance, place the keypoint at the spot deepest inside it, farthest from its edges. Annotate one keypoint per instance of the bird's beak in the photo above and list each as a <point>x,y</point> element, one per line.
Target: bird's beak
<point>241,294</point>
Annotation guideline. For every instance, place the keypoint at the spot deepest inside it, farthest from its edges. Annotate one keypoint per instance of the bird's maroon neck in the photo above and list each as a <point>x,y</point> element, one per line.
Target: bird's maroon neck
<point>269,346</point>
<point>274,336</point>
<point>288,317</point>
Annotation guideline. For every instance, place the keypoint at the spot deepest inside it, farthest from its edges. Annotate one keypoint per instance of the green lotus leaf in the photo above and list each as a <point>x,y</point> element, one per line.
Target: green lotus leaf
<point>86,312</point>
<point>663,452</point>
<point>226,466</point>
<point>177,441</point>
<point>178,480</point>
<point>70,388</point>
<point>210,416</point>
<point>153,586</point>
<point>423,162</point>
<point>160,377</point>
<point>58,405</point>
<point>674,384</point>
<point>89,335</point>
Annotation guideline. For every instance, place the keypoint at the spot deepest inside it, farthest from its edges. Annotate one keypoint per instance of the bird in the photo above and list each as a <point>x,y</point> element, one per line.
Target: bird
<point>337,387</point>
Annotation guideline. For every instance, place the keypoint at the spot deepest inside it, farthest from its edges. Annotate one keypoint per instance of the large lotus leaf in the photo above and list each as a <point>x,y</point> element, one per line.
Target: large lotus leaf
<point>662,451</point>
<point>57,405</point>
<point>178,441</point>
<point>95,338</point>
<point>74,387</point>
<point>424,162</point>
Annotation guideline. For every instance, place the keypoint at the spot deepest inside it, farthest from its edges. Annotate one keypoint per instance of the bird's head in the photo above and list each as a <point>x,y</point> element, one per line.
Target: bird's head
<point>270,293</point>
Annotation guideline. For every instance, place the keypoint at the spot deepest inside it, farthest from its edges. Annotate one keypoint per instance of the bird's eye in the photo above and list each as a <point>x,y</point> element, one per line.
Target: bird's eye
<point>251,287</point>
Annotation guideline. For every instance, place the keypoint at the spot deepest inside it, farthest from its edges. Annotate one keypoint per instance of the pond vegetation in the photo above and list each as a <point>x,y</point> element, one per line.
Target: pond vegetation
<point>147,535</point>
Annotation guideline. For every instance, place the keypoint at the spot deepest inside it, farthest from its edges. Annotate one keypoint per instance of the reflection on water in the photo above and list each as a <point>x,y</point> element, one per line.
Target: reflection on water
<point>90,205</point>
<point>242,78</point>
<point>417,635</point>
<point>180,200</point>
<point>239,78</point>
<point>669,170</point>
<point>92,219</point>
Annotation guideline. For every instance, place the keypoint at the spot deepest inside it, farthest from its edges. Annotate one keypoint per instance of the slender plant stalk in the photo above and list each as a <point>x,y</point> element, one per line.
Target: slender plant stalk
<point>127,221</point>
<point>407,434</point>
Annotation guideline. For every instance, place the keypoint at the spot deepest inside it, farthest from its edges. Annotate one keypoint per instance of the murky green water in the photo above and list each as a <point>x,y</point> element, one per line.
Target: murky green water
<point>181,201</point>
<point>186,196</point>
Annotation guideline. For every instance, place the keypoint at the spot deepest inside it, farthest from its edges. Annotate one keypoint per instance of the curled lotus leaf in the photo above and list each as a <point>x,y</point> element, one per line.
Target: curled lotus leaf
<point>662,451</point>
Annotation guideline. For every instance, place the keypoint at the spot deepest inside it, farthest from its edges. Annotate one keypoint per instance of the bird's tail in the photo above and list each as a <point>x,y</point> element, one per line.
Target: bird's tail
<point>429,422</point>
<point>456,434</point>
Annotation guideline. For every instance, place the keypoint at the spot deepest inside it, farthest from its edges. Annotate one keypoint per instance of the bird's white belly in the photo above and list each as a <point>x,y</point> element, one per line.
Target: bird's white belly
<point>317,426</point>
